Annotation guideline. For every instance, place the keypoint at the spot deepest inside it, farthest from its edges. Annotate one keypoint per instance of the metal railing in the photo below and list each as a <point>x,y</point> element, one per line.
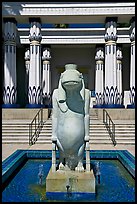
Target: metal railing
<point>35,127</point>
<point>109,125</point>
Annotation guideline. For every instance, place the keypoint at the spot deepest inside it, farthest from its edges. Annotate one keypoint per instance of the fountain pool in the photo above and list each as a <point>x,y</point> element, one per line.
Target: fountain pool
<point>24,176</point>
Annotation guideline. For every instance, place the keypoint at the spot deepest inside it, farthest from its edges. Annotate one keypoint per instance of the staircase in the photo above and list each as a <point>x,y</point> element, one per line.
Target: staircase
<point>46,133</point>
<point>17,131</point>
<point>98,133</point>
<point>125,132</point>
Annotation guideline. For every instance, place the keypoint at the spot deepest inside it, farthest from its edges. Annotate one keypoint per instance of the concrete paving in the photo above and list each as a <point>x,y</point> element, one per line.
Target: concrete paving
<point>8,149</point>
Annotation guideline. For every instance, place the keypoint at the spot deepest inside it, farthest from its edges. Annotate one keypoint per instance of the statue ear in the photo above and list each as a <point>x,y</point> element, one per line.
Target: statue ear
<point>82,92</point>
<point>61,92</point>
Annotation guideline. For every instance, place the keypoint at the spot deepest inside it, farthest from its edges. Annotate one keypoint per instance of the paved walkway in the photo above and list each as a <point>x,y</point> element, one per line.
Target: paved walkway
<point>8,149</point>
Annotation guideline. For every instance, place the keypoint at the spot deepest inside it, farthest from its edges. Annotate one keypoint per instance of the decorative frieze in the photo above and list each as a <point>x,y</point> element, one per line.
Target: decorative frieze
<point>94,9</point>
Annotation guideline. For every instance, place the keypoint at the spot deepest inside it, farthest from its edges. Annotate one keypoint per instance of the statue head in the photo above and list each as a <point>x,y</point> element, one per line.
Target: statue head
<point>70,79</point>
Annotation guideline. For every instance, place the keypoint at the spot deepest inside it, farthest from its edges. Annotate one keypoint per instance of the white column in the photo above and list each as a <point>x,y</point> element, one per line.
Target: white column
<point>132,63</point>
<point>110,89</point>
<point>9,78</point>
<point>46,75</point>
<point>27,65</point>
<point>34,89</point>
<point>119,75</point>
<point>99,81</point>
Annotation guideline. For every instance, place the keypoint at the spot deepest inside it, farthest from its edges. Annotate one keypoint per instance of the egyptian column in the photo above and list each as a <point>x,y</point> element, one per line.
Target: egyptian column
<point>46,74</point>
<point>110,89</point>
<point>99,79</point>
<point>9,78</point>
<point>27,65</point>
<point>132,65</point>
<point>119,75</point>
<point>34,88</point>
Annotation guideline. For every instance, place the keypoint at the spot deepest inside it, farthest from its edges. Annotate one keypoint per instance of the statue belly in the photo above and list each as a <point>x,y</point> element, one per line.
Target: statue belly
<point>71,132</point>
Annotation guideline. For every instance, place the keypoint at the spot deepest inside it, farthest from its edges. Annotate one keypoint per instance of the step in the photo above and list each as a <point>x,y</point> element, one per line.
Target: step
<point>15,131</point>
<point>47,134</point>
<point>15,123</point>
<point>44,142</point>
<point>126,127</point>
<point>125,138</point>
<point>99,135</point>
<point>126,142</point>
<point>16,138</point>
<point>100,142</point>
<point>15,128</point>
<point>15,142</point>
<point>125,134</point>
<point>5,134</point>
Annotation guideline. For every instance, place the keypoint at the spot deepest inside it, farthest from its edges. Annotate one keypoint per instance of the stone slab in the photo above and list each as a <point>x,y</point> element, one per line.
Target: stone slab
<point>81,185</point>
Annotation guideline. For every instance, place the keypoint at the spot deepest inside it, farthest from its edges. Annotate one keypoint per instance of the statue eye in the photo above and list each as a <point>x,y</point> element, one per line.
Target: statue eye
<point>81,76</point>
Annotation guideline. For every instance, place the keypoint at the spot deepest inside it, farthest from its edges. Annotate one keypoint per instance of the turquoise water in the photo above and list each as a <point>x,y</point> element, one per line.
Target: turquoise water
<point>116,184</point>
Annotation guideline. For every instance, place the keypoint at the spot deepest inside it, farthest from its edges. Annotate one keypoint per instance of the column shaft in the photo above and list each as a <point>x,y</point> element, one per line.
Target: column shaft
<point>119,76</point>
<point>111,92</point>
<point>99,82</point>
<point>132,65</point>
<point>34,88</point>
<point>9,78</point>
<point>46,76</point>
<point>27,64</point>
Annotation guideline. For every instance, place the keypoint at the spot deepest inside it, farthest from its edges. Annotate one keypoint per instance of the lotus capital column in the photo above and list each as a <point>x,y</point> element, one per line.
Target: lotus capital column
<point>10,78</point>
<point>111,93</point>
<point>132,65</point>
<point>99,79</point>
<point>46,75</point>
<point>34,87</point>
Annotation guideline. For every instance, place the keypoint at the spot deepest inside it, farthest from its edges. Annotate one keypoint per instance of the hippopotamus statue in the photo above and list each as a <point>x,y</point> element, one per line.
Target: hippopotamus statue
<point>70,118</point>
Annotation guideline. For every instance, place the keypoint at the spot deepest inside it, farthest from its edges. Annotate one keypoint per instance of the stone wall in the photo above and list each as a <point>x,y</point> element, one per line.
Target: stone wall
<point>118,114</point>
<point>22,114</point>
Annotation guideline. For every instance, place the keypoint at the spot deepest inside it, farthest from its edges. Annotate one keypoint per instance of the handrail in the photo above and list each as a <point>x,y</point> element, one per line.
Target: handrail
<point>109,125</point>
<point>35,127</point>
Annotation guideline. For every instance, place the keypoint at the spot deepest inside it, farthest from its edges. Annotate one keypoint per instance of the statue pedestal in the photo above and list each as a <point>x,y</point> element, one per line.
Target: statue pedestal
<point>70,185</point>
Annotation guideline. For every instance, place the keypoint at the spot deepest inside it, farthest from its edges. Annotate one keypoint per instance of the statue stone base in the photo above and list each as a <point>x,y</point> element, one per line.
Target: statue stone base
<point>70,185</point>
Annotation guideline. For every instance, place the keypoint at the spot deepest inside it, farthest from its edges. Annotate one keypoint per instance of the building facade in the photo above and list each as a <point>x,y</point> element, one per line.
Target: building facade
<point>40,38</point>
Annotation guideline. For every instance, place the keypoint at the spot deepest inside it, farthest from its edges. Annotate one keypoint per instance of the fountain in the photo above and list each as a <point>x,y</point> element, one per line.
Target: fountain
<point>117,178</point>
<point>70,135</point>
<point>70,171</point>
<point>97,172</point>
<point>40,174</point>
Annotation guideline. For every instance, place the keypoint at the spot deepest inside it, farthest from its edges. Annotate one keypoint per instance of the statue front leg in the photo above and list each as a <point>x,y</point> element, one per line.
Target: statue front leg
<point>53,157</point>
<point>61,161</point>
<point>80,167</point>
<point>87,123</point>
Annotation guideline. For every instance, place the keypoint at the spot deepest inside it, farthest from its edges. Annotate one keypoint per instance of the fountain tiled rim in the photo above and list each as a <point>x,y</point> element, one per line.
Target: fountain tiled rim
<point>10,164</point>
